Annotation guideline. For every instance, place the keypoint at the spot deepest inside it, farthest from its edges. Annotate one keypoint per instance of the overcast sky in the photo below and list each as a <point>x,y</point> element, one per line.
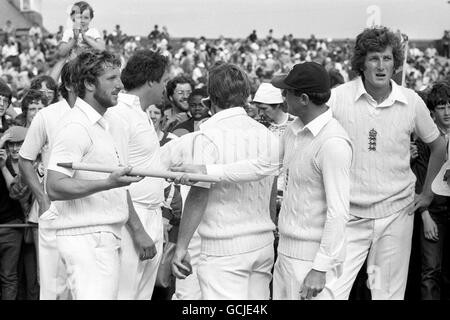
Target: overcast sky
<point>420,19</point>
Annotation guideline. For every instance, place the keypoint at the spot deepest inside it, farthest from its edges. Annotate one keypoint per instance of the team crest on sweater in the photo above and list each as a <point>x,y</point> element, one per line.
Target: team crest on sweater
<point>373,140</point>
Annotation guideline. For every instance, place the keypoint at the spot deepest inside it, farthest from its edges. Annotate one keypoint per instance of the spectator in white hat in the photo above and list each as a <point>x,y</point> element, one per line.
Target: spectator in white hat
<point>270,103</point>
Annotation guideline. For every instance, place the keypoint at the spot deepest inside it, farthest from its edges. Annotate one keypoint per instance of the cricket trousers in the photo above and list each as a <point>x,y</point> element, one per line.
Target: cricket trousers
<point>243,276</point>
<point>92,263</point>
<point>52,272</point>
<point>137,278</point>
<point>386,242</point>
<point>189,288</point>
<point>289,274</point>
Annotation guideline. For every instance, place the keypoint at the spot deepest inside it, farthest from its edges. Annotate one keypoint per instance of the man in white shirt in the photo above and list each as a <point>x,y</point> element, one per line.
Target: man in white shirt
<point>380,117</point>
<point>37,142</point>
<point>233,219</point>
<point>317,156</point>
<point>10,49</point>
<point>92,207</point>
<point>144,79</point>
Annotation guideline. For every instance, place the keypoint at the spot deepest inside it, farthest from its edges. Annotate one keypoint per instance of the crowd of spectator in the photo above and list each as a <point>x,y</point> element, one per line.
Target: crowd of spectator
<point>30,55</point>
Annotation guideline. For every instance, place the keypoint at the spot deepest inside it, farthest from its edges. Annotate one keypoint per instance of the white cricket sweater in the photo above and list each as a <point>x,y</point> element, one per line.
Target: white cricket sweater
<point>382,182</point>
<point>315,208</point>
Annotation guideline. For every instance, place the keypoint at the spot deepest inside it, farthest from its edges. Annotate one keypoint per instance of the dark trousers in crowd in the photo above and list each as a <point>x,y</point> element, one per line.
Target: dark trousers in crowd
<point>435,277</point>
<point>161,294</point>
<point>10,247</point>
<point>413,283</point>
<point>28,278</point>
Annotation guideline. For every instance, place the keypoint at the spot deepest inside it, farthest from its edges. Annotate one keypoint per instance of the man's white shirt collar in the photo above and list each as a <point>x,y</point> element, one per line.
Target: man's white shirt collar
<point>92,115</point>
<point>227,113</point>
<point>395,95</point>
<point>314,126</point>
<point>130,100</point>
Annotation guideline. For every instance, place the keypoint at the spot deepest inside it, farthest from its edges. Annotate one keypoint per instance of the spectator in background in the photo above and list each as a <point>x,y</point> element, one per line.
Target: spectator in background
<point>27,269</point>
<point>252,111</point>
<point>336,78</point>
<point>9,29</point>
<point>11,48</point>
<point>253,37</point>
<point>156,116</point>
<point>436,219</point>
<point>172,204</point>
<point>198,110</point>
<point>35,31</point>
<point>271,105</point>
<point>47,86</point>
<point>82,35</point>
<point>117,34</point>
<point>187,289</point>
<point>165,33</point>
<point>10,213</point>
<point>34,152</point>
<point>32,102</point>
<point>446,44</point>
<point>5,101</point>
<point>59,34</point>
<point>178,91</point>
<point>155,34</point>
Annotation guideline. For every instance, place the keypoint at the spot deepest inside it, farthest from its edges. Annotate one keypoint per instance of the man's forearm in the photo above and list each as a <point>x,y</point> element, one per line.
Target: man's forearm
<point>61,187</point>
<point>65,48</point>
<point>134,224</point>
<point>29,174</point>
<point>193,212</point>
<point>97,45</point>
<point>245,170</point>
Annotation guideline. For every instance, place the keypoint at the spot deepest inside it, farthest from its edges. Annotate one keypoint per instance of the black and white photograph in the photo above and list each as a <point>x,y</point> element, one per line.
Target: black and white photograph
<point>244,152</point>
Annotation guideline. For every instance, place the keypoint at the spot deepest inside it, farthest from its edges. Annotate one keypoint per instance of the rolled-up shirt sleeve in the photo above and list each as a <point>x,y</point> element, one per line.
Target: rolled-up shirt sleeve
<point>334,160</point>
<point>71,143</point>
<point>35,139</point>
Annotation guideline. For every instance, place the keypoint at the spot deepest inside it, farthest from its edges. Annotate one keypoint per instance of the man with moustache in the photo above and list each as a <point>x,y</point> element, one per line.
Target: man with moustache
<point>144,79</point>
<point>178,91</point>
<point>92,207</point>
